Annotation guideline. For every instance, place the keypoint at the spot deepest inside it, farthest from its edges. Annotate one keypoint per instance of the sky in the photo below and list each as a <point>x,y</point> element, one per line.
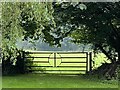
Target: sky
<point>39,45</point>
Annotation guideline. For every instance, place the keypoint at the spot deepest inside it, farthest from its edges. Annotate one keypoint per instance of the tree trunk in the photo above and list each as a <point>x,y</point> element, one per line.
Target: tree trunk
<point>118,62</point>
<point>108,70</point>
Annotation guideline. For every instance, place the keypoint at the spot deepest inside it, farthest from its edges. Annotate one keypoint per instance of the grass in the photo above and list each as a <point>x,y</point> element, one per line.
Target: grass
<point>54,81</point>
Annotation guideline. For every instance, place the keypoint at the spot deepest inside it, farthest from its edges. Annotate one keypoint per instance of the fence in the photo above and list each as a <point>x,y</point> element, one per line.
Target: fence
<point>59,62</point>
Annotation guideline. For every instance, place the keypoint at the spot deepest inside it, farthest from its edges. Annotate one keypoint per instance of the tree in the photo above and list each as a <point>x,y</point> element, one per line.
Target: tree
<point>22,21</point>
<point>97,24</point>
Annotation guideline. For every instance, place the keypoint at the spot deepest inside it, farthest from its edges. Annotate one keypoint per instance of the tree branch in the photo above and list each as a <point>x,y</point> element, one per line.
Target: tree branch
<point>114,29</point>
<point>106,53</point>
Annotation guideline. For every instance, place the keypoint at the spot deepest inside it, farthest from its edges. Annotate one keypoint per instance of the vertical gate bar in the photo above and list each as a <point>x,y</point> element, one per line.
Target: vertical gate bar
<point>86,62</point>
<point>54,59</point>
<point>90,61</point>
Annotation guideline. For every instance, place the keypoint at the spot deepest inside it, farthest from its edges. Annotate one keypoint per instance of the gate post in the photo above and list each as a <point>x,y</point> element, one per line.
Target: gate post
<point>87,62</point>
<point>90,61</point>
<point>54,59</point>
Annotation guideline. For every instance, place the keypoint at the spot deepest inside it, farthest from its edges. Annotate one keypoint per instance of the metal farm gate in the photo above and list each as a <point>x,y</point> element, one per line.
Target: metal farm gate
<point>58,62</point>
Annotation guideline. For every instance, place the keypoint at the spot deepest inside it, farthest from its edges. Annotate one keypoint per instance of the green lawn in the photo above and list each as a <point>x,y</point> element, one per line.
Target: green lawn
<point>54,81</point>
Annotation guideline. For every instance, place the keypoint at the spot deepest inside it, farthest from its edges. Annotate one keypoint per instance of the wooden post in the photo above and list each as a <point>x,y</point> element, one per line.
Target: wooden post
<point>90,61</point>
<point>54,59</point>
<point>86,62</point>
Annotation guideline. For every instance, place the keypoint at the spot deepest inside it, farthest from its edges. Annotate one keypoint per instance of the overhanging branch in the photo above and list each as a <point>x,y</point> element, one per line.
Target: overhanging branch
<point>105,52</point>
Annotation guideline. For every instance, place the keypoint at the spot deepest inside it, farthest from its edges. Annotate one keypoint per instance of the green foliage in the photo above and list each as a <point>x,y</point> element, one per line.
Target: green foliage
<point>99,59</point>
<point>10,28</point>
<point>13,64</point>
<point>24,21</point>
<point>35,17</point>
<point>96,24</point>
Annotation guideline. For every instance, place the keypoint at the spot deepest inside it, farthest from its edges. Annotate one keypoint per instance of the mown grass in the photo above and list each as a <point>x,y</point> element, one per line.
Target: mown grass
<point>55,81</point>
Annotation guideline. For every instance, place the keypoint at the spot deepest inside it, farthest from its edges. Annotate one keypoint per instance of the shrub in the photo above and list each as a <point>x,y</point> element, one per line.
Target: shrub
<point>12,65</point>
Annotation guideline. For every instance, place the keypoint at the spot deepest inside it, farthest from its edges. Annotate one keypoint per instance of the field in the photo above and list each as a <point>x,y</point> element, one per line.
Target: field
<point>55,81</point>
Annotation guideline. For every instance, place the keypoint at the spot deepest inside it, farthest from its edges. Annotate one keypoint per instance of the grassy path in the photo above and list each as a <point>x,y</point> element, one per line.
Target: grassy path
<point>54,81</point>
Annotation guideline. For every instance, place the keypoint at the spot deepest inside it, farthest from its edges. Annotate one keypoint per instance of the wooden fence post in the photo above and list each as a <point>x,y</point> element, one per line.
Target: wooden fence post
<point>90,61</point>
<point>86,62</point>
<point>54,59</point>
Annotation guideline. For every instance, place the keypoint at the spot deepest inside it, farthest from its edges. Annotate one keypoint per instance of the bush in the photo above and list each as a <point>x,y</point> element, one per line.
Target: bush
<point>16,65</point>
